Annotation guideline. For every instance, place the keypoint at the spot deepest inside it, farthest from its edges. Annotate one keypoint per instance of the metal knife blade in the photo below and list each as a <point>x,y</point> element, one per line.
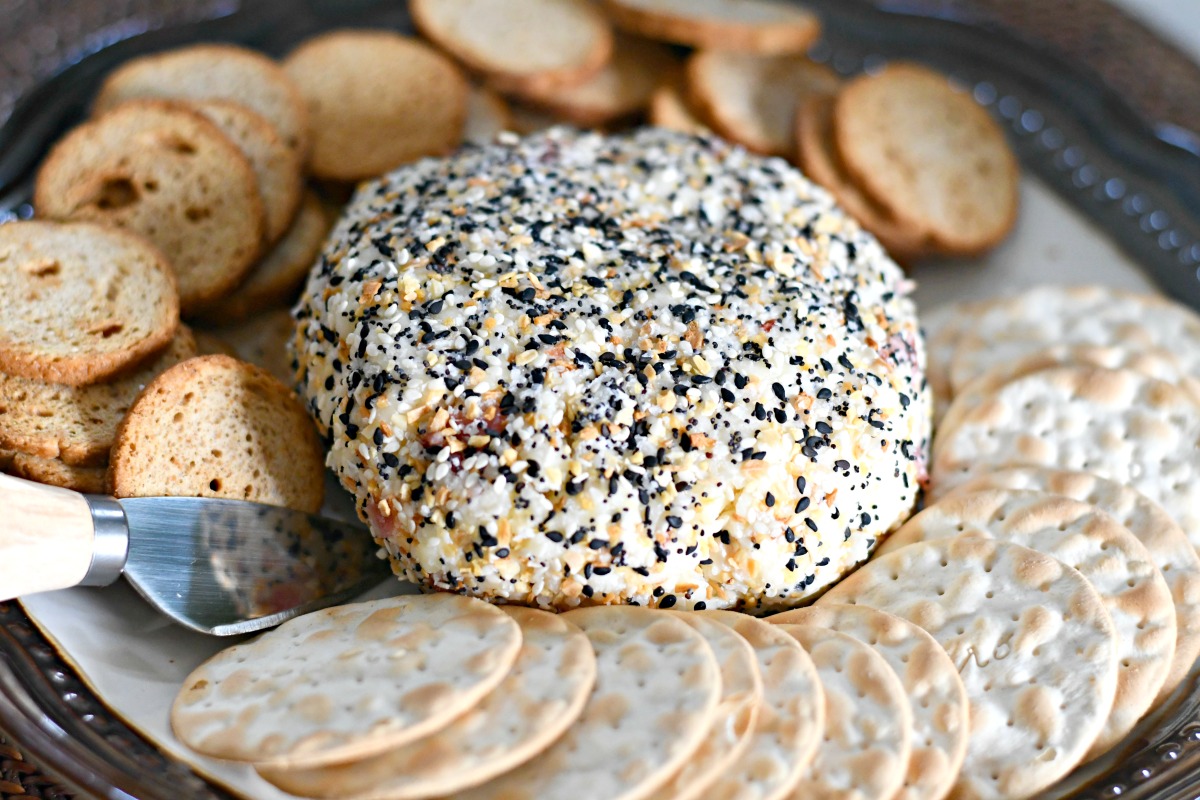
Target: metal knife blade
<point>226,567</point>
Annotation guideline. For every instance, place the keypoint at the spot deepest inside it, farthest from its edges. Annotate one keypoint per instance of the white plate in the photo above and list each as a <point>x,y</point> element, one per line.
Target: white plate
<point>135,660</point>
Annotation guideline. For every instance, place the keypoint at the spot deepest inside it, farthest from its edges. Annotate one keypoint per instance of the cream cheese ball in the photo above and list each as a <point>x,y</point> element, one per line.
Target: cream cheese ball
<point>649,368</point>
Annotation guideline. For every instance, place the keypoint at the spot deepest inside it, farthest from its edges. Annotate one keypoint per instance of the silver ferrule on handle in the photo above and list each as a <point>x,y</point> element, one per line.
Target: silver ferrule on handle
<point>111,548</point>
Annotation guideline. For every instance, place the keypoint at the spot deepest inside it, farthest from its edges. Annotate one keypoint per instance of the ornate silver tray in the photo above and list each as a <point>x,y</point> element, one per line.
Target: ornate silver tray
<point>1137,178</point>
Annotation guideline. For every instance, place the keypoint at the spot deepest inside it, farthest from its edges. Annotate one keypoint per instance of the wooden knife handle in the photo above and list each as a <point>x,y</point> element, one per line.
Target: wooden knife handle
<point>46,538</point>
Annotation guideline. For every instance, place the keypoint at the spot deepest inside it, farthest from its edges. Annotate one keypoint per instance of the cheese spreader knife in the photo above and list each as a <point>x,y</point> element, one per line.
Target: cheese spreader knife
<point>221,567</point>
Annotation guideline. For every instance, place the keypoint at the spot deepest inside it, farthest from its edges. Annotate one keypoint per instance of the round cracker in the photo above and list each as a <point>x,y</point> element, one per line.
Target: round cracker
<point>213,426</point>
<point>821,162</point>
<point>519,45</point>
<point>868,720</point>
<point>82,303</point>
<point>1111,558</point>
<point>277,167</point>
<point>929,154</point>
<point>1146,520</point>
<point>487,115</point>
<point>55,472</point>
<point>213,72</point>
<point>1154,362</point>
<point>77,425</point>
<point>275,280</point>
<point>1031,640</point>
<point>790,722</point>
<point>737,712</point>
<point>1120,425</point>
<point>751,99</point>
<point>945,328</point>
<point>753,26</point>
<point>618,90</point>
<point>347,682</point>
<point>657,689</point>
<point>536,702</point>
<point>1012,328</point>
<point>162,170</point>
<point>940,707</point>
<point>377,100</point>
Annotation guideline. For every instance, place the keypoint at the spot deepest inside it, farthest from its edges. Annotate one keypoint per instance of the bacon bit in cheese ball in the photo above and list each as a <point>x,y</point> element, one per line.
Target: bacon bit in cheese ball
<point>576,369</point>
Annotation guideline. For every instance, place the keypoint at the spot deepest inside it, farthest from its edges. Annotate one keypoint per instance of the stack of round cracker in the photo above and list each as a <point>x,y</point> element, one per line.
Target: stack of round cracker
<point>440,695</point>
<point>1069,418</point>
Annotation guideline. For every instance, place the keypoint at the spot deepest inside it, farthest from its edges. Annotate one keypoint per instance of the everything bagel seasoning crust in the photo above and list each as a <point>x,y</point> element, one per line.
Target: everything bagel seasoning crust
<point>577,369</point>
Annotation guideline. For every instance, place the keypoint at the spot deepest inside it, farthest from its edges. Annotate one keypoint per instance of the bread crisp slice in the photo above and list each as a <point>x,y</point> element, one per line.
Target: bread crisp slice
<point>52,471</point>
<point>621,89</point>
<point>277,167</point>
<point>753,99</point>
<point>377,100</point>
<point>519,44</point>
<point>929,154</point>
<point>275,279</point>
<point>163,170</point>
<point>819,159</point>
<point>81,302</point>
<point>487,115</point>
<point>669,108</point>
<point>262,339</point>
<point>213,72</point>
<point>214,426</point>
<point>527,119</point>
<point>752,26</point>
<point>77,424</point>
